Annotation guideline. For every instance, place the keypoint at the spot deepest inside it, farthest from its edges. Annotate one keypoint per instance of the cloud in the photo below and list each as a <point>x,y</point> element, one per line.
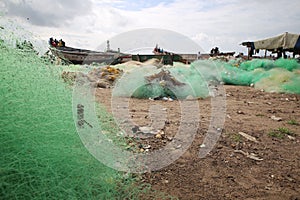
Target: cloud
<point>210,23</point>
<point>47,12</point>
<point>146,39</point>
<point>133,5</point>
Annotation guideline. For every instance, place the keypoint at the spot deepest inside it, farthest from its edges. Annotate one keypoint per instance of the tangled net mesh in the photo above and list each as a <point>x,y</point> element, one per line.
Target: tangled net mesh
<point>281,75</point>
<point>42,156</point>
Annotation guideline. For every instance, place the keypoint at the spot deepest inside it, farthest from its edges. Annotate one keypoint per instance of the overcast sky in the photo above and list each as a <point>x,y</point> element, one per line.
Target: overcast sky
<point>209,23</point>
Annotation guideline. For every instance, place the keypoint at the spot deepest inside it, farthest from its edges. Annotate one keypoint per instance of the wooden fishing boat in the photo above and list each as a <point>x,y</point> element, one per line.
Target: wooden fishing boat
<point>83,56</point>
<point>166,58</point>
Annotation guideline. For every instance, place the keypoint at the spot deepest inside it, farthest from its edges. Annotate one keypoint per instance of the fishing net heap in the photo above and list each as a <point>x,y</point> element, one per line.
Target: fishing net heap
<point>42,156</point>
<point>281,75</point>
<point>158,85</point>
<point>102,76</point>
<point>176,82</point>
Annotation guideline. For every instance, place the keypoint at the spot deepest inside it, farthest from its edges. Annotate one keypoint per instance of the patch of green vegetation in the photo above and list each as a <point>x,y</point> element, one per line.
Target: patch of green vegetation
<point>280,133</point>
<point>276,134</point>
<point>293,122</point>
<point>259,115</point>
<point>236,138</point>
<point>285,131</point>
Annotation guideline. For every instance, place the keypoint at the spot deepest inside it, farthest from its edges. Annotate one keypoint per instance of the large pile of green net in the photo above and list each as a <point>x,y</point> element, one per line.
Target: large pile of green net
<point>281,75</point>
<point>201,76</point>
<point>42,156</point>
<point>195,79</point>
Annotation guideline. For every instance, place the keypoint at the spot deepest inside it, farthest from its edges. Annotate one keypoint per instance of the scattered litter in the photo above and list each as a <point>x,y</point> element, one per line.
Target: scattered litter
<point>146,129</point>
<point>273,117</point>
<point>248,137</point>
<point>161,132</point>
<point>291,137</point>
<point>142,150</point>
<point>167,99</point>
<point>240,112</point>
<point>251,155</point>
<point>158,136</point>
<point>143,132</point>
<point>163,98</point>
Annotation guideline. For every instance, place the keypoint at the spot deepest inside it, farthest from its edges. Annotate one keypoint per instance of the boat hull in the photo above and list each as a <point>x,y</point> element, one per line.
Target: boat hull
<point>82,56</point>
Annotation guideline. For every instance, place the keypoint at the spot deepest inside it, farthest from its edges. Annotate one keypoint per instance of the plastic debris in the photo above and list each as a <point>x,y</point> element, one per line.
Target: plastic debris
<point>291,137</point>
<point>251,155</point>
<point>146,129</point>
<point>276,118</point>
<point>240,112</point>
<point>158,136</point>
<point>248,137</point>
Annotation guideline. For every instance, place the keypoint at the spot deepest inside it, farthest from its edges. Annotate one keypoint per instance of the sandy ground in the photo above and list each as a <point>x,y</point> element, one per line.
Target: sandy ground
<point>237,167</point>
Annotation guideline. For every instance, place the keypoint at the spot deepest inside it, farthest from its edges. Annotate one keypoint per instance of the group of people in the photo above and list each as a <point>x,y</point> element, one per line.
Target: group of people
<point>214,51</point>
<point>56,43</point>
<point>158,49</point>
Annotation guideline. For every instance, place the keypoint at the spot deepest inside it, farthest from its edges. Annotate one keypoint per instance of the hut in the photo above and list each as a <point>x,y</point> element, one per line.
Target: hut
<point>286,42</point>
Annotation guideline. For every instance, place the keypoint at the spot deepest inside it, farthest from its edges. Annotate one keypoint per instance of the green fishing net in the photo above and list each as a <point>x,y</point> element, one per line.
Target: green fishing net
<point>42,156</point>
<point>197,78</point>
<point>281,75</point>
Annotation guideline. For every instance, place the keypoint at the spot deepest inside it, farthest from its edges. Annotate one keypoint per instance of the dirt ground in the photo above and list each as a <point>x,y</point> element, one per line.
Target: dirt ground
<point>237,167</point>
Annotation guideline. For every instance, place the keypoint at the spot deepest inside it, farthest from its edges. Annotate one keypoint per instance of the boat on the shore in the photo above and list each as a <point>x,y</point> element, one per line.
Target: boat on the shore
<point>111,57</point>
<point>84,56</point>
<point>165,57</point>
